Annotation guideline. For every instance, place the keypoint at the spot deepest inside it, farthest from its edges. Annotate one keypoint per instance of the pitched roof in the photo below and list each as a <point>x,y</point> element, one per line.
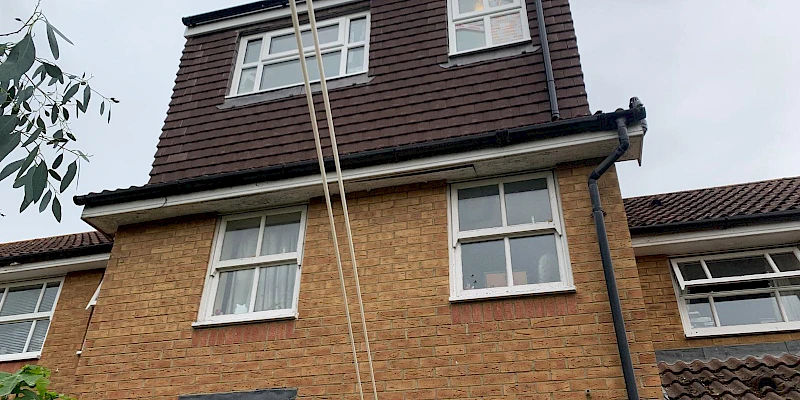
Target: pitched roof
<point>769,377</point>
<point>769,198</point>
<point>73,245</point>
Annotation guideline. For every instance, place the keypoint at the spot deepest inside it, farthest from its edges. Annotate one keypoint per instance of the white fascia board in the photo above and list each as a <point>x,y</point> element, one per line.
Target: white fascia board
<point>49,268</point>
<point>549,151</point>
<point>260,16</point>
<point>737,238</point>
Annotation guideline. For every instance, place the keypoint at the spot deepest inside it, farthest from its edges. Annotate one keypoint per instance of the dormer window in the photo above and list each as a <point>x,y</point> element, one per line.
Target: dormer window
<point>270,60</point>
<point>481,24</point>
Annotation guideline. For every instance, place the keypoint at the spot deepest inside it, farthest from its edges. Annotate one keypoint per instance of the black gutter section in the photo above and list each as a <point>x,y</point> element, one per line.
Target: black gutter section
<point>548,64</point>
<point>226,13</point>
<point>57,254</point>
<point>605,254</point>
<point>501,138</point>
<point>717,223</point>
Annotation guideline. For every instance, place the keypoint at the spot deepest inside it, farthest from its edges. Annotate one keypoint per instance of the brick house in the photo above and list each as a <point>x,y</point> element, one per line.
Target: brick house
<point>466,144</point>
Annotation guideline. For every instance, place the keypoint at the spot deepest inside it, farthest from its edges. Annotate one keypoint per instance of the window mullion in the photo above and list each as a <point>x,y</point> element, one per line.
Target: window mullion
<point>253,290</point>
<point>705,268</point>
<point>780,305</point>
<point>487,29</point>
<point>30,335</point>
<point>714,311</point>
<point>3,297</point>
<point>39,300</point>
<point>261,235</point>
<point>771,263</point>
<point>796,253</point>
<point>503,212</point>
<point>509,268</point>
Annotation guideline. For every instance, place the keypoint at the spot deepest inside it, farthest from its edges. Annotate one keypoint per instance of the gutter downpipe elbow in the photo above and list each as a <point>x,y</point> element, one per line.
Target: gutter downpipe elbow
<point>608,266</point>
<point>548,64</point>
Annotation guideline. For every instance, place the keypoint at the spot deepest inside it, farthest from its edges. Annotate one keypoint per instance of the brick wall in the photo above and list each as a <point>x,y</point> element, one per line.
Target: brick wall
<point>141,344</point>
<point>662,308</point>
<point>66,332</point>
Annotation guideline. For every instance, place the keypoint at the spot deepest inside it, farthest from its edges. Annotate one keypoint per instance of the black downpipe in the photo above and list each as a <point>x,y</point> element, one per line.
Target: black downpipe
<point>548,64</point>
<point>608,266</point>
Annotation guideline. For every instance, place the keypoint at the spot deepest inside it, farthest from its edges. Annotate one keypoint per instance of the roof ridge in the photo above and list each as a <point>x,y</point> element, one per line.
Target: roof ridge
<point>646,196</point>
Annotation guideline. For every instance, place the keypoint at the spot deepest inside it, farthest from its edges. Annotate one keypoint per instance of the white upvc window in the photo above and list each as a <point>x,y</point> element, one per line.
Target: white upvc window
<point>481,24</point>
<point>507,238</point>
<point>26,309</point>
<point>743,292</point>
<point>254,272</point>
<point>270,61</point>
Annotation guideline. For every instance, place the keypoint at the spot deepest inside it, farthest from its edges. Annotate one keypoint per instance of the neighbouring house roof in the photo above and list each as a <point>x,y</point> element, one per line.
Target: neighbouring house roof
<point>765,200</point>
<point>768,377</point>
<point>55,247</point>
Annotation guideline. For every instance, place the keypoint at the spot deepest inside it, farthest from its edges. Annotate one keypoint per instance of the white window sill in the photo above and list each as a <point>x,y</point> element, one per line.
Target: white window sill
<point>300,85</point>
<point>20,356</point>
<point>246,318</point>
<point>456,54</point>
<point>743,329</point>
<point>508,292</point>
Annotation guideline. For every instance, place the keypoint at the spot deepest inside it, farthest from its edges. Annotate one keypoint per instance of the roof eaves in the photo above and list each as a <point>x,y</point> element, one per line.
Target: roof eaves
<point>232,12</point>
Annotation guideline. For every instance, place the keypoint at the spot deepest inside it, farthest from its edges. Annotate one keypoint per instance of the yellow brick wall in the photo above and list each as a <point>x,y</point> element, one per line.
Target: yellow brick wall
<point>662,308</point>
<point>141,344</point>
<point>67,329</point>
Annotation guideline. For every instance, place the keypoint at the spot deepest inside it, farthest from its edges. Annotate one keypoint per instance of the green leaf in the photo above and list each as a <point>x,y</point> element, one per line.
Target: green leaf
<point>102,107</point>
<point>25,94</point>
<point>51,38</point>
<point>7,125</point>
<point>8,384</point>
<point>57,161</point>
<point>39,180</point>
<point>19,60</point>
<point>10,169</point>
<point>54,174</point>
<point>69,176</point>
<point>27,182</point>
<point>65,113</point>
<point>56,209</point>
<point>8,143</point>
<point>109,115</point>
<point>54,71</point>
<point>32,138</point>
<point>54,114</point>
<point>58,32</point>
<point>45,200</point>
<point>87,94</point>
<point>70,92</point>
<point>28,160</point>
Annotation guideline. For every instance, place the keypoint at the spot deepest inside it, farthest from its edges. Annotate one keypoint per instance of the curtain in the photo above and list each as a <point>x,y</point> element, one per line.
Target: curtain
<point>276,287</point>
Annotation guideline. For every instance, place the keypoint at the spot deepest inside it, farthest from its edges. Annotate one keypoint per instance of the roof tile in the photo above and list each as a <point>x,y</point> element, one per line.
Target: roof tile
<point>42,247</point>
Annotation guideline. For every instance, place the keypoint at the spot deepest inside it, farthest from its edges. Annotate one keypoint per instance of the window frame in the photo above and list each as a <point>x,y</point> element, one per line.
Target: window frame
<point>454,17</point>
<point>267,59</point>
<point>680,285</point>
<point>206,314</point>
<point>35,316</point>
<point>505,232</point>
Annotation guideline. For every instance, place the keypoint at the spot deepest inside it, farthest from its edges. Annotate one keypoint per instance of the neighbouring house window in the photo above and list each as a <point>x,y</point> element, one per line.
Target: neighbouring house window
<point>745,292</point>
<point>26,309</point>
<point>270,60</point>
<point>481,24</point>
<point>255,267</point>
<point>507,238</point>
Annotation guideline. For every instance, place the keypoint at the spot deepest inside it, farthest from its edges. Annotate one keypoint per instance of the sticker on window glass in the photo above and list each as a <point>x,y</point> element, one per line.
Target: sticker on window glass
<point>506,28</point>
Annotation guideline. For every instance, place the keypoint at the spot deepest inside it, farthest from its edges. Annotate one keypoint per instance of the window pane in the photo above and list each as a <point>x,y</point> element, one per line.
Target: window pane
<point>534,260</point>
<point>247,80</point>
<point>747,309</point>
<point>700,313</point>
<point>527,202</point>
<point>738,267</point>
<point>275,287</point>
<point>465,6</point>
<point>728,287</point>
<point>280,234</point>
<point>21,300</point>
<point>483,264</point>
<point>39,332</point>
<point>253,51</point>
<point>233,292</point>
<point>358,30</point>
<point>692,271</point>
<point>13,337</point>
<point>470,35</point>
<point>281,74</point>
<point>479,208</point>
<point>791,303</point>
<point>49,297</point>
<point>786,262</point>
<point>240,238</point>
<point>498,3</point>
<point>327,34</point>
<point>355,60</point>
<point>330,61</point>
<point>506,28</point>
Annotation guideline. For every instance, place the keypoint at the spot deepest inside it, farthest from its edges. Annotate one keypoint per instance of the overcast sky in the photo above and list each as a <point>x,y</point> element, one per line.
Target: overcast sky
<point>719,79</point>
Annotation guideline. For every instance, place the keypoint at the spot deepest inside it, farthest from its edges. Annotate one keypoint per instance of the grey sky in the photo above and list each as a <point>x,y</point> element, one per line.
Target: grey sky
<point>720,97</point>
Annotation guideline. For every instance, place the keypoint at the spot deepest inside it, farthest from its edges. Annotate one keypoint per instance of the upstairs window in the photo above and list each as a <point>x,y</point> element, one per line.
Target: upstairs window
<point>255,267</point>
<point>746,292</point>
<point>507,238</point>
<point>270,60</point>
<point>481,24</point>
<point>25,312</point>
